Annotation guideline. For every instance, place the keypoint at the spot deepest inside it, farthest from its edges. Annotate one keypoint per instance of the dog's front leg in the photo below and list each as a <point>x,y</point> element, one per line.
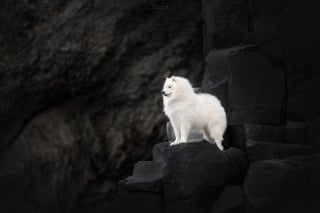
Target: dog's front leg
<point>176,130</point>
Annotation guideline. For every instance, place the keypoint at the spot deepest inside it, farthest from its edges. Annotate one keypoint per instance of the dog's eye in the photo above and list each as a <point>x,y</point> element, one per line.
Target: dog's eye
<point>169,87</point>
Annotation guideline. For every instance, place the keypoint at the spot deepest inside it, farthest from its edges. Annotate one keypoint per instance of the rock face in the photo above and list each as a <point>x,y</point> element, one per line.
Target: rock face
<point>261,63</point>
<point>80,94</point>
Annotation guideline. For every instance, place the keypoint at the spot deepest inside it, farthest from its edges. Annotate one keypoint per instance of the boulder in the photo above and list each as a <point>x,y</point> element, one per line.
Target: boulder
<point>287,185</point>
<point>195,173</point>
<point>191,168</point>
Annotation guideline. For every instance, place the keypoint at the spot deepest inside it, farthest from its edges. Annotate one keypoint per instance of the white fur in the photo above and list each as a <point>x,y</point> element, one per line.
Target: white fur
<point>188,111</point>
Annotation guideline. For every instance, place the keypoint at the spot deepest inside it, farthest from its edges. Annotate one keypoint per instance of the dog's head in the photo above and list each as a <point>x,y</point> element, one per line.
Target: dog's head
<point>169,86</point>
<point>176,87</point>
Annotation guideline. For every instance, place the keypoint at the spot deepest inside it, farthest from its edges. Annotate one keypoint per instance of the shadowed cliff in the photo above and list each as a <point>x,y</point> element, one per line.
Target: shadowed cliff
<point>80,94</point>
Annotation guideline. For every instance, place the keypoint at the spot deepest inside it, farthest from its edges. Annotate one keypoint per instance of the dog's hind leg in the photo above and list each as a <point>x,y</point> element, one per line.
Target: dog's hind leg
<point>185,131</point>
<point>206,136</point>
<point>216,132</point>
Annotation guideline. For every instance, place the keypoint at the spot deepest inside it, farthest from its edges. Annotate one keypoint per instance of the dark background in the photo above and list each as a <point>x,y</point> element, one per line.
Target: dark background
<point>80,84</point>
<point>80,93</point>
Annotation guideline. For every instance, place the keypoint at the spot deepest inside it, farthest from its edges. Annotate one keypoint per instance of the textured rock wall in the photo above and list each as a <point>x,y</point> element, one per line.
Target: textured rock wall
<point>80,94</point>
<point>262,63</point>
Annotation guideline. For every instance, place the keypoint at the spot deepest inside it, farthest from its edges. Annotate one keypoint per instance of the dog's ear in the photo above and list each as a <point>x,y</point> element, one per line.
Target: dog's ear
<point>173,78</point>
<point>168,74</point>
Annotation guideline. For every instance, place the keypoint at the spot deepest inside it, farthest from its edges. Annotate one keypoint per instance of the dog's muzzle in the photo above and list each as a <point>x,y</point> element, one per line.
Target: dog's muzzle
<point>164,94</point>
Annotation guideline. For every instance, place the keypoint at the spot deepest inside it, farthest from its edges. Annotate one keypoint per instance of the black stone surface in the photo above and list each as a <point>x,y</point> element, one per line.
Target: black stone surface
<point>147,176</point>
<point>266,150</point>
<point>199,202</point>
<point>256,89</point>
<point>289,185</point>
<point>135,202</point>
<point>195,173</point>
<point>215,80</point>
<point>226,23</point>
<point>291,133</point>
<point>192,168</point>
<point>231,200</point>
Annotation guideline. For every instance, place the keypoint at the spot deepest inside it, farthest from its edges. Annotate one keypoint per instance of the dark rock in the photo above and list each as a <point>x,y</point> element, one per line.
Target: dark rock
<point>215,80</point>
<point>265,132</point>
<point>258,150</point>
<point>256,89</point>
<point>240,162</point>
<point>237,136</point>
<point>147,176</point>
<point>196,203</point>
<point>267,29</point>
<point>52,156</point>
<point>193,174</point>
<point>275,50</point>
<point>296,133</point>
<point>289,185</point>
<point>80,94</point>
<point>136,202</point>
<point>229,201</point>
<point>302,50</point>
<point>269,8</point>
<point>313,133</point>
<point>291,133</point>
<point>197,171</point>
<point>159,150</point>
<point>191,168</point>
<point>225,23</point>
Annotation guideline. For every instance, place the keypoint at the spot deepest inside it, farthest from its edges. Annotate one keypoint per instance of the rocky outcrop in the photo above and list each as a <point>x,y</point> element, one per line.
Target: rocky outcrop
<point>80,94</point>
<point>188,176</point>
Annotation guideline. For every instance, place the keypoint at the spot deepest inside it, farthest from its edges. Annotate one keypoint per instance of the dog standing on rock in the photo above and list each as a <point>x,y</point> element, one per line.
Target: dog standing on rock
<point>188,111</point>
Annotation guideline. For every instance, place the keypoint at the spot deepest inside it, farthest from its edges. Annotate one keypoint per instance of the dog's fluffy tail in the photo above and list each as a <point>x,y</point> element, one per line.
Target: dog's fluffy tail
<point>216,131</point>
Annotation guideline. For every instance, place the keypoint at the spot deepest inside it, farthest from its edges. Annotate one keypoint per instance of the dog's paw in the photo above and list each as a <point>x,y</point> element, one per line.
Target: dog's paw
<point>174,143</point>
<point>220,146</point>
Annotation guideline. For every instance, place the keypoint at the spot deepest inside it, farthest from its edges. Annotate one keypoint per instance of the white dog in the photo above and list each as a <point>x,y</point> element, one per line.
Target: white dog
<point>188,111</point>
